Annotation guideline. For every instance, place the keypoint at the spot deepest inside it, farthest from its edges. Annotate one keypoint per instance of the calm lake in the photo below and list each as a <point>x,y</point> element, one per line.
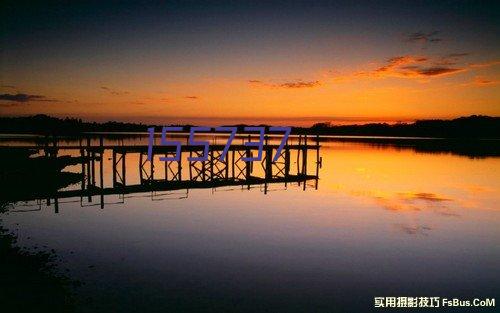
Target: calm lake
<point>381,220</point>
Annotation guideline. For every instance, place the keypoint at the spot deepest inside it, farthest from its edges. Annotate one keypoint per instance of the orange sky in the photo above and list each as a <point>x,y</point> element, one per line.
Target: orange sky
<point>214,68</point>
<point>356,95</point>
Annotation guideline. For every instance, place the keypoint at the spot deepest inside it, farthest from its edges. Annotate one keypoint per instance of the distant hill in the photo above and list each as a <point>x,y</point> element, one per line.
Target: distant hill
<point>474,126</point>
<point>43,124</point>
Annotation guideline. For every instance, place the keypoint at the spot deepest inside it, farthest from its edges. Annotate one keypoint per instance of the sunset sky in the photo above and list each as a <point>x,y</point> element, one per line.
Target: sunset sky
<point>275,62</point>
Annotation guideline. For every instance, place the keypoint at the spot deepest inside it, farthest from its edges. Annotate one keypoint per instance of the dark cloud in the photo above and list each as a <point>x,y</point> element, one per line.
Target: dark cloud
<point>23,98</point>
<point>394,62</point>
<point>485,64</point>
<point>437,71</point>
<point>482,82</point>
<point>435,40</point>
<point>411,66</point>
<point>8,105</point>
<point>424,37</point>
<point>9,86</point>
<point>114,92</point>
<point>457,55</point>
<point>192,97</point>
<point>300,84</point>
<point>288,85</point>
<point>450,59</point>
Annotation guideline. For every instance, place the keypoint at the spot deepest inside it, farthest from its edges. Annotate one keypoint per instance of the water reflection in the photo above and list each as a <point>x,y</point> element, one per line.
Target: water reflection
<point>472,148</point>
<point>35,172</point>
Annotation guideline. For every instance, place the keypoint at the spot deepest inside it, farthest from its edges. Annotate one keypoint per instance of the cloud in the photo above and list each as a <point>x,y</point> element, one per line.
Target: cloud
<point>421,37</point>
<point>395,62</point>
<point>484,64</point>
<point>288,85</point>
<point>300,84</point>
<point>476,189</point>
<point>434,71</point>
<point>7,105</point>
<point>114,92</point>
<point>9,86</point>
<point>409,66</point>
<point>458,55</point>
<point>450,59</point>
<point>24,98</point>
<point>480,81</point>
<point>192,97</point>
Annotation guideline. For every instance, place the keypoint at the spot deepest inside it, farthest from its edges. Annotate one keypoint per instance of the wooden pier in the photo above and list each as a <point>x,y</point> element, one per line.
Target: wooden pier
<point>291,166</point>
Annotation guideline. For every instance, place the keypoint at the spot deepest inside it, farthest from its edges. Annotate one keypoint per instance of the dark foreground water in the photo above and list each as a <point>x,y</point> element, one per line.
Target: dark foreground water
<point>384,221</point>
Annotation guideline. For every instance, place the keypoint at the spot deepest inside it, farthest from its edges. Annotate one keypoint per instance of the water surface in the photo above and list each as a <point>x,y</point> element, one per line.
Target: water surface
<point>384,221</point>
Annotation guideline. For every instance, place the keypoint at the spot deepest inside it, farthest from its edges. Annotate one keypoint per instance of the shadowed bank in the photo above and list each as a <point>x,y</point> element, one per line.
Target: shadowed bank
<point>30,280</point>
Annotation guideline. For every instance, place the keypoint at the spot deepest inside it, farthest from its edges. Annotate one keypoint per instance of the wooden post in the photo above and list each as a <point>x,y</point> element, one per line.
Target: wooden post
<point>101,178</point>
<point>82,156</point>
<point>248,168</point>
<point>304,161</point>
<point>233,165</point>
<point>89,174</point>
<point>101,144</point>
<point>114,168</point>
<point>179,166</point>
<point>93,168</point>
<point>190,166</point>
<point>298,160</point>
<point>46,144</point>
<point>54,146</point>
<point>269,163</point>
<point>212,160</point>
<point>166,167</point>
<point>248,164</point>
<point>203,171</point>
<point>287,162</point>
<point>151,176</point>
<point>317,155</point>
<point>304,164</point>
<point>227,166</point>
<point>124,168</point>
<point>56,205</point>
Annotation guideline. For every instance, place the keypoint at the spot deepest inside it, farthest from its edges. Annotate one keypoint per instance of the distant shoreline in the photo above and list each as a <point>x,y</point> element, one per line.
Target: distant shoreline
<point>471,127</point>
<point>348,138</point>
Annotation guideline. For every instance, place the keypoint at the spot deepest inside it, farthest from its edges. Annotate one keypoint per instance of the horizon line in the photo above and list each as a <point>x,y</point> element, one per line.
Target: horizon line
<point>303,121</point>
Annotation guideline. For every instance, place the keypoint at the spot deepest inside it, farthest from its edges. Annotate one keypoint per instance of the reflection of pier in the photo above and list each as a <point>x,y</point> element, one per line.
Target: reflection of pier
<point>291,166</point>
